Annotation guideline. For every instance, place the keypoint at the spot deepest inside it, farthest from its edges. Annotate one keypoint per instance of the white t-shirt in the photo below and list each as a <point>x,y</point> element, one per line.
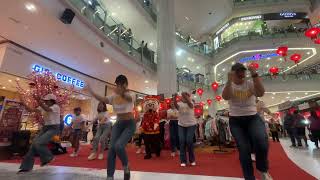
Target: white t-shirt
<point>53,117</point>
<point>103,117</point>
<point>186,115</point>
<point>76,121</point>
<point>172,113</point>
<point>261,109</point>
<point>120,105</point>
<point>243,100</point>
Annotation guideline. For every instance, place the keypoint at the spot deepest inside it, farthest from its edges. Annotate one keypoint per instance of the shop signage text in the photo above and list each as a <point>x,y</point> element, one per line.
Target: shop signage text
<point>60,76</point>
<point>249,18</point>
<point>67,119</point>
<point>257,57</point>
<point>288,14</point>
<point>223,28</point>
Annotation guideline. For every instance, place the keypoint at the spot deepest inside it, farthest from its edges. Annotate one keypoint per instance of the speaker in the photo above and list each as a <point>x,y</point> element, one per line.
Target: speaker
<point>67,16</point>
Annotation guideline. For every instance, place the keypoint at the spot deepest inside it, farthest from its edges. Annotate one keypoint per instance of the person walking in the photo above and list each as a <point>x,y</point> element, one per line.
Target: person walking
<point>187,127</point>
<point>315,127</point>
<point>246,124</point>
<point>50,111</point>
<point>300,128</point>
<point>274,129</point>
<point>289,127</point>
<point>173,115</point>
<point>124,128</point>
<point>77,125</point>
<point>103,132</point>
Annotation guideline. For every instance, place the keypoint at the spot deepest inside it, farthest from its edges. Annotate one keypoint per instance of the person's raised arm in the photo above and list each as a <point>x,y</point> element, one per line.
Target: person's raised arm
<point>257,83</point>
<point>227,91</point>
<point>97,96</point>
<point>174,98</point>
<point>28,108</point>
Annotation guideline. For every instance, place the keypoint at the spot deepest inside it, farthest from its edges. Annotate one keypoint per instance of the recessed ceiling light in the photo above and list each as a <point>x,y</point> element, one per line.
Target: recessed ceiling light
<point>187,18</point>
<point>233,62</point>
<point>10,80</point>
<point>179,52</point>
<point>224,69</point>
<point>146,81</point>
<point>198,67</point>
<point>219,74</point>
<point>30,7</point>
<point>113,14</point>
<point>274,93</point>
<point>267,65</point>
<point>3,87</point>
<point>151,44</point>
<point>308,53</point>
<point>106,60</point>
<point>18,79</point>
<point>289,93</point>
<point>184,66</point>
<point>272,97</point>
<point>306,93</point>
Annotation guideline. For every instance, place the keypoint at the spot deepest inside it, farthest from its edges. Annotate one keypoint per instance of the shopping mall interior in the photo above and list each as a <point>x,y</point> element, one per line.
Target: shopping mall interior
<point>183,90</point>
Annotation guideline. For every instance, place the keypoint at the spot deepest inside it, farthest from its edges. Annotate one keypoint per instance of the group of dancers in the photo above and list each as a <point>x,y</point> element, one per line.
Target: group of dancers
<point>246,126</point>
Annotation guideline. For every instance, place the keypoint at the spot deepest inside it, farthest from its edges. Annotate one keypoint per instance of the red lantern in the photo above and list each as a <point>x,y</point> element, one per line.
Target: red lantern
<point>317,41</point>
<point>274,70</point>
<point>200,92</point>
<point>215,86</point>
<point>168,101</point>
<point>218,98</point>
<point>254,65</point>
<point>282,51</point>
<point>209,101</point>
<point>296,58</point>
<point>312,32</point>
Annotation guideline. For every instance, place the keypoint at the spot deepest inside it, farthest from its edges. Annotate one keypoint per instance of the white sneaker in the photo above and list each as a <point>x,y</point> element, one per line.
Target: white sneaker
<point>100,157</point>
<point>173,154</point>
<point>183,165</point>
<point>74,154</point>
<point>193,164</point>
<point>92,156</point>
<point>253,157</point>
<point>265,176</point>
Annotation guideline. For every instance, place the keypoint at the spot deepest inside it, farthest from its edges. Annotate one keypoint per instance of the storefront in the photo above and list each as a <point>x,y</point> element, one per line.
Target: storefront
<point>16,65</point>
<point>260,24</point>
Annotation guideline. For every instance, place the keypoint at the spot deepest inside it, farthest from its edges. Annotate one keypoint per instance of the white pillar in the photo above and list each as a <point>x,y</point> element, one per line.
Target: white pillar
<point>167,75</point>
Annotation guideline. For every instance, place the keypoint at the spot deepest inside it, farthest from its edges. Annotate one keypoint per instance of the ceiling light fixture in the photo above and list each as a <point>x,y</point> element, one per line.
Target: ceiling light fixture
<point>106,60</point>
<point>30,7</point>
<point>3,87</point>
<point>146,81</point>
<point>151,44</point>
<point>10,80</point>
<point>184,66</point>
<point>18,79</point>
<point>198,67</point>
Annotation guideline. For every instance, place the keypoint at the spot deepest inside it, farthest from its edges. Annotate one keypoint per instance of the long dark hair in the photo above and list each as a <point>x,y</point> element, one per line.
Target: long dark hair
<point>104,107</point>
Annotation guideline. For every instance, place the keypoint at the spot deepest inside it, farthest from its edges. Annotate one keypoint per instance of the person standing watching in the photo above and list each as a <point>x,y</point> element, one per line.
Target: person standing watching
<point>315,127</point>
<point>245,123</point>
<point>289,127</point>
<point>173,115</point>
<point>51,117</point>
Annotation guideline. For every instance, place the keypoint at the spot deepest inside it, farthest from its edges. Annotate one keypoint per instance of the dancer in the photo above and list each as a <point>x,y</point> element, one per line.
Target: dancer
<point>245,123</point>
<point>123,130</point>
<point>173,115</point>
<point>77,125</point>
<point>187,127</point>
<point>103,132</point>
<point>51,116</point>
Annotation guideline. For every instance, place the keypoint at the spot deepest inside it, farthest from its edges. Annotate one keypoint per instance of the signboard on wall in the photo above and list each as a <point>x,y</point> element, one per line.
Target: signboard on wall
<point>285,15</point>
<point>10,120</point>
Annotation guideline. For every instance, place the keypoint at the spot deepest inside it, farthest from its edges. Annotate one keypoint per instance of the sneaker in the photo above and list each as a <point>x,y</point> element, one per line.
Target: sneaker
<point>265,176</point>
<point>47,163</point>
<point>183,164</point>
<point>173,154</point>
<point>92,156</point>
<point>193,164</point>
<point>21,171</point>
<point>126,173</point>
<point>138,151</point>
<point>74,154</point>
<point>253,157</point>
<point>100,157</point>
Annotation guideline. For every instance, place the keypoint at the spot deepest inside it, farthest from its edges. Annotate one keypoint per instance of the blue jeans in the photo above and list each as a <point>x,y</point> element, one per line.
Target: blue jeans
<point>186,135</point>
<point>101,137</point>
<point>174,135</point>
<point>246,129</point>
<point>122,132</point>
<point>39,146</point>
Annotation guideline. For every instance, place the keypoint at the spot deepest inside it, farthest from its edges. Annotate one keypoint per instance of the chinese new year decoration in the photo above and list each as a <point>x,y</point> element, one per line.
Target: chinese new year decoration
<point>295,58</point>
<point>283,51</point>
<point>218,98</point>
<point>274,70</point>
<point>312,33</point>
<point>209,101</point>
<point>215,86</point>
<point>254,65</point>
<point>200,91</point>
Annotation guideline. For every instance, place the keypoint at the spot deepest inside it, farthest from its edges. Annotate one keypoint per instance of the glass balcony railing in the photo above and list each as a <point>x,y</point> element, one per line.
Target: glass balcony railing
<point>115,31</point>
<point>255,2</point>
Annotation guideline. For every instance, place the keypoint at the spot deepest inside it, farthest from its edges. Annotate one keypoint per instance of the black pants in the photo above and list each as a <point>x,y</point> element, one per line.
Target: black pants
<point>152,143</point>
<point>174,135</point>
<point>275,136</point>
<point>316,136</point>
<point>290,132</point>
<point>162,131</point>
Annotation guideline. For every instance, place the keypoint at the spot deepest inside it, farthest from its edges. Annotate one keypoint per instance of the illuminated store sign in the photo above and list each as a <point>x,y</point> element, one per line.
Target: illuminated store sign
<point>68,119</point>
<point>288,14</point>
<point>223,28</point>
<point>59,76</point>
<point>258,57</point>
<point>249,18</point>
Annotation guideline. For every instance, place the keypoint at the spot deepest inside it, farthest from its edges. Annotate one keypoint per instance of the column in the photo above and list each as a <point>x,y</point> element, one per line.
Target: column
<point>167,75</point>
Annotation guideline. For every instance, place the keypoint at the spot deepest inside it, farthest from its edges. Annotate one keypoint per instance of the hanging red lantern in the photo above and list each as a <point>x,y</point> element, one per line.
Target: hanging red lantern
<point>200,91</point>
<point>282,51</point>
<point>215,86</point>
<point>274,70</point>
<point>209,101</point>
<point>317,41</point>
<point>218,98</point>
<point>168,101</point>
<point>254,65</point>
<point>296,58</point>
<point>312,33</point>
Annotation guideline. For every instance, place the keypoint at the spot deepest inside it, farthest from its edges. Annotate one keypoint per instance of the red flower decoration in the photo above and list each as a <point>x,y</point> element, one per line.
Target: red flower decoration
<point>200,91</point>
<point>209,101</point>
<point>215,86</point>
<point>254,65</point>
<point>296,58</point>
<point>218,98</point>
<point>274,70</point>
<point>312,32</point>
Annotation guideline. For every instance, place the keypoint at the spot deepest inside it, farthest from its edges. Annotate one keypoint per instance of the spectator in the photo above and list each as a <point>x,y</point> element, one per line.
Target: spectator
<point>315,127</point>
<point>289,127</point>
<point>274,129</point>
<point>300,128</point>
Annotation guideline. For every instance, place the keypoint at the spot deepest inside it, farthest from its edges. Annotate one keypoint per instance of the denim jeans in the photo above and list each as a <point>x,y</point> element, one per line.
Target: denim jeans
<point>121,134</point>
<point>101,137</point>
<point>39,146</point>
<point>246,129</point>
<point>174,135</point>
<point>186,135</point>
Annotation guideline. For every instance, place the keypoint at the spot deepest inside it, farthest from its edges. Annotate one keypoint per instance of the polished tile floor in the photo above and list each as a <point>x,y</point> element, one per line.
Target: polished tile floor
<point>306,158</point>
